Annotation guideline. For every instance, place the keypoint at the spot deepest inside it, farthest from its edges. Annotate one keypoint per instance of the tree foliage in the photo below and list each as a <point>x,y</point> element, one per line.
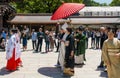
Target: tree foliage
<point>93,3</point>
<point>36,6</point>
<point>46,6</point>
<point>115,3</point>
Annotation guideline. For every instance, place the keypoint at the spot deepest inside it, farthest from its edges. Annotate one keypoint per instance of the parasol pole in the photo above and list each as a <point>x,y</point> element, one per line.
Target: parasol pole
<point>70,22</point>
<point>58,24</point>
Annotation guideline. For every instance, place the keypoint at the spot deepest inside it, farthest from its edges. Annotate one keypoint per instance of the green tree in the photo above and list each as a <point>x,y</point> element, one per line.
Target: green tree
<point>36,6</point>
<point>92,3</point>
<point>103,4</point>
<point>46,6</point>
<point>74,1</point>
<point>87,2</point>
<point>115,3</point>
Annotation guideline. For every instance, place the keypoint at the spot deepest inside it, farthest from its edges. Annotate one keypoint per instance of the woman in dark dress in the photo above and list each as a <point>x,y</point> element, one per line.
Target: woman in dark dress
<point>69,53</point>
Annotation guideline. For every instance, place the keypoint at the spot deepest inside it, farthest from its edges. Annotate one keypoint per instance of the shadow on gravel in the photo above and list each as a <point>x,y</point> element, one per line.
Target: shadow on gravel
<point>3,71</point>
<point>51,72</point>
<point>103,73</point>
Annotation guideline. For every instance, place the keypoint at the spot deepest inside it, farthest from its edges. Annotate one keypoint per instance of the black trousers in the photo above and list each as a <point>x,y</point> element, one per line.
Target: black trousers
<point>34,44</point>
<point>55,43</point>
<point>69,63</point>
<point>39,44</point>
<point>58,46</point>
<point>47,46</point>
<point>86,43</point>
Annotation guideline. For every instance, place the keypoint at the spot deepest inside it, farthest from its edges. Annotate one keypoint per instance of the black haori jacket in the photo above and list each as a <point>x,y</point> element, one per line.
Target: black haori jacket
<point>69,46</point>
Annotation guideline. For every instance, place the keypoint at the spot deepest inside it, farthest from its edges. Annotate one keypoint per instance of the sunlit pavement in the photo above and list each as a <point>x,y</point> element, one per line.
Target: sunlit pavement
<point>42,65</point>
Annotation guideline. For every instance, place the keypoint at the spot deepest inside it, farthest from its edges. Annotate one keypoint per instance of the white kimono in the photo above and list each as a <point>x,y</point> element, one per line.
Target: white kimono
<point>13,42</point>
<point>62,55</point>
<point>62,52</point>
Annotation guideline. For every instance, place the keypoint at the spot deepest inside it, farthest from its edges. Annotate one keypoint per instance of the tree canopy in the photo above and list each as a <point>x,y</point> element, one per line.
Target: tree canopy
<point>47,6</point>
<point>115,3</point>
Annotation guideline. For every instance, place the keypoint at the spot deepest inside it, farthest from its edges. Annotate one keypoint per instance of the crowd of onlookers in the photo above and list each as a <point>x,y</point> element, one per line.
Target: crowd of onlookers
<point>5,35</point>
<point>96,36</point>
<point>3,39</point>
<point>36,37</point>
<point>50,38</point>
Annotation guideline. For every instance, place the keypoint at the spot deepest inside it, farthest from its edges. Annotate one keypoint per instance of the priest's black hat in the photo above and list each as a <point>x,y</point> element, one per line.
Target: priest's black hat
<point>14,30</point>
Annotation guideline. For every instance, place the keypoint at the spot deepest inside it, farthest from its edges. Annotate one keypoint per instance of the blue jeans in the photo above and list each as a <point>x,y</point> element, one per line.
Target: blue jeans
<point>47,46</point>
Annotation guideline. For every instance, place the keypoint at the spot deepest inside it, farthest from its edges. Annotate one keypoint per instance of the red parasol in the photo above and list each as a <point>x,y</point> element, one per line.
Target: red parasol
<point>66,9</point>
